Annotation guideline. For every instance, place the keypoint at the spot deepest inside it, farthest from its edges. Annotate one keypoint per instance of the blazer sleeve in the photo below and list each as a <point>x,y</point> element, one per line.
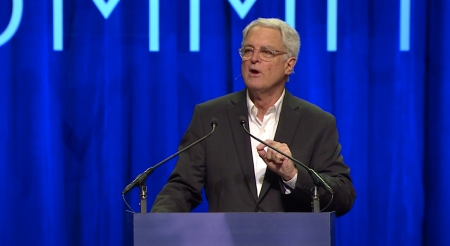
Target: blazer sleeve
<point>182,193</point>
<point>326,159</point>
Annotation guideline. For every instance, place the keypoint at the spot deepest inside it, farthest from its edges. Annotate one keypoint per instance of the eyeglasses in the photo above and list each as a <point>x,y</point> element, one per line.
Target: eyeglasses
<point>265,53</point>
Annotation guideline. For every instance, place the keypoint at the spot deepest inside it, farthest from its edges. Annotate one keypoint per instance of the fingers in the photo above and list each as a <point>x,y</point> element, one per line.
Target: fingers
<point>272,155</point>
<point>277,162</point>
<point>275,156</point>
<point>261,152</point>
<point>261,146</point>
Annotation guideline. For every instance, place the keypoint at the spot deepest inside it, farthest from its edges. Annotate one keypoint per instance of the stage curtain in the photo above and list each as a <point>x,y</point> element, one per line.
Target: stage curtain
<point>81,119</point>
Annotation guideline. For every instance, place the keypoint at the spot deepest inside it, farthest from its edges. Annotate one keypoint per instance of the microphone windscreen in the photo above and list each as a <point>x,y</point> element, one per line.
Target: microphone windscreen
<point>214,121</point>
<point>242,119</point>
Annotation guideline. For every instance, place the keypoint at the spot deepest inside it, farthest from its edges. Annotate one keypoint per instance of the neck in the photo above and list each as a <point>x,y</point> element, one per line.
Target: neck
<point>264,101</point>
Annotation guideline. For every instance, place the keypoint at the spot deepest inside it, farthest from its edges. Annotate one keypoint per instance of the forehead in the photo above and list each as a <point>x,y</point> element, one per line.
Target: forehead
<point>264,36</point>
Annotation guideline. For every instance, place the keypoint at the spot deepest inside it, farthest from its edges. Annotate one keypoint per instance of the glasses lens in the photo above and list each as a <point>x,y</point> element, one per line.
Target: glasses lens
<point>263,53</point>
<point>247,52</point>
<point>266,54</point>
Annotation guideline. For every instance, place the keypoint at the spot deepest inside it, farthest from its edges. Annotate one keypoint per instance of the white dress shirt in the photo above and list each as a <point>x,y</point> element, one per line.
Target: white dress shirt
<point>264,130</point>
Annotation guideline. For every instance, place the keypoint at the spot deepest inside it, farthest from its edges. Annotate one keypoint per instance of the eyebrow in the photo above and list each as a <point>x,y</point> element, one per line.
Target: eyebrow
<point>264,46</point>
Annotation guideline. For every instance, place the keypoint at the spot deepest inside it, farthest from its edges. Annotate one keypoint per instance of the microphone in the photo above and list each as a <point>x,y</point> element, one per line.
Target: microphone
<point>141,178</point>
<point>317,179</point>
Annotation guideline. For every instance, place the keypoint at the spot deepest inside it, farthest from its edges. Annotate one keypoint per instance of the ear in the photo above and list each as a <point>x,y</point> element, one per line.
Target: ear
<point>289,65</point>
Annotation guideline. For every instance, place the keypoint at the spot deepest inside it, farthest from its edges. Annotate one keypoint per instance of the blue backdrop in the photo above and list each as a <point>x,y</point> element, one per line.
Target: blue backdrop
<point>93,93</point>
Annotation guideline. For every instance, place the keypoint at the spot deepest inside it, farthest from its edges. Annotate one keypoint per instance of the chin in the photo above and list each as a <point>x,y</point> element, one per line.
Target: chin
<point>254,82</point>
<point>254,86</point>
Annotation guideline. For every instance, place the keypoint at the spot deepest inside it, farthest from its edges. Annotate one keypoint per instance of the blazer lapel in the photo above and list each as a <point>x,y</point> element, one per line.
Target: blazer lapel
<point>242,140</point>
<point>289,119</point>
<point>288,122</point>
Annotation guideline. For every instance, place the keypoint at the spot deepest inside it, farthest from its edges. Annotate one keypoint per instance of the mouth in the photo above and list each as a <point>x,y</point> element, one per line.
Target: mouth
<point>254,72</point>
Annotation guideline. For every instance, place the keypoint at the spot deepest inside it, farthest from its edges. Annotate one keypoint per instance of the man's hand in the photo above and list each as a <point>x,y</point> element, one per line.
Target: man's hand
<point>276,161</point>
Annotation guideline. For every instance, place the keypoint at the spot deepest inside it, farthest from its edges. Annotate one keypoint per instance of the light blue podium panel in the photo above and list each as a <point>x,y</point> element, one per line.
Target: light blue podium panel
<point>234,229</point>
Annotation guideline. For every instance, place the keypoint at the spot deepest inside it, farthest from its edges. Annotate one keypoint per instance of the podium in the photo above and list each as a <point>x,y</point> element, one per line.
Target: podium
<point>234,229</point>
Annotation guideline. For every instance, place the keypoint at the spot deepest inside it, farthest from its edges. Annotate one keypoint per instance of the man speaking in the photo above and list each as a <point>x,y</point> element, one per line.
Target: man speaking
<point>240,174</point>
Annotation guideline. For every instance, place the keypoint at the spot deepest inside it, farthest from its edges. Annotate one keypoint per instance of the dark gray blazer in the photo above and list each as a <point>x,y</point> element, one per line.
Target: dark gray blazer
<point>223,163</point>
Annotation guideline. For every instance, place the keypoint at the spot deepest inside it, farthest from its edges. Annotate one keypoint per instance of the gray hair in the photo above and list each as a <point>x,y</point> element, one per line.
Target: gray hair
<point>289,36</point>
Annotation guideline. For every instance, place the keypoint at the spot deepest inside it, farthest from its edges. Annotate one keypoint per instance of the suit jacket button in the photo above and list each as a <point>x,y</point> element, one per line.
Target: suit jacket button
<point>257,209</point>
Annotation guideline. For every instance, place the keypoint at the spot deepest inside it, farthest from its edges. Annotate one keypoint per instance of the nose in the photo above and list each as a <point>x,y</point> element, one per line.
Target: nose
<point>255,57</point>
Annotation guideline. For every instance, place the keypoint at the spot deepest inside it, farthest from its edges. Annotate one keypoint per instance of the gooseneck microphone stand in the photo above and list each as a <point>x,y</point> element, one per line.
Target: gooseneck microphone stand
<point>316,178</point>
<point>141,179</point>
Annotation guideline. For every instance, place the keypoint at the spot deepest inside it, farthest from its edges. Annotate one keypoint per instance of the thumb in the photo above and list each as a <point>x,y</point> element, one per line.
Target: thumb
<point>261,152</point>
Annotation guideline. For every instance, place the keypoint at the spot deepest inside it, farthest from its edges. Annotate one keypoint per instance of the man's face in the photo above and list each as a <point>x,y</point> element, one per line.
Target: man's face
<point>265,76</point>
